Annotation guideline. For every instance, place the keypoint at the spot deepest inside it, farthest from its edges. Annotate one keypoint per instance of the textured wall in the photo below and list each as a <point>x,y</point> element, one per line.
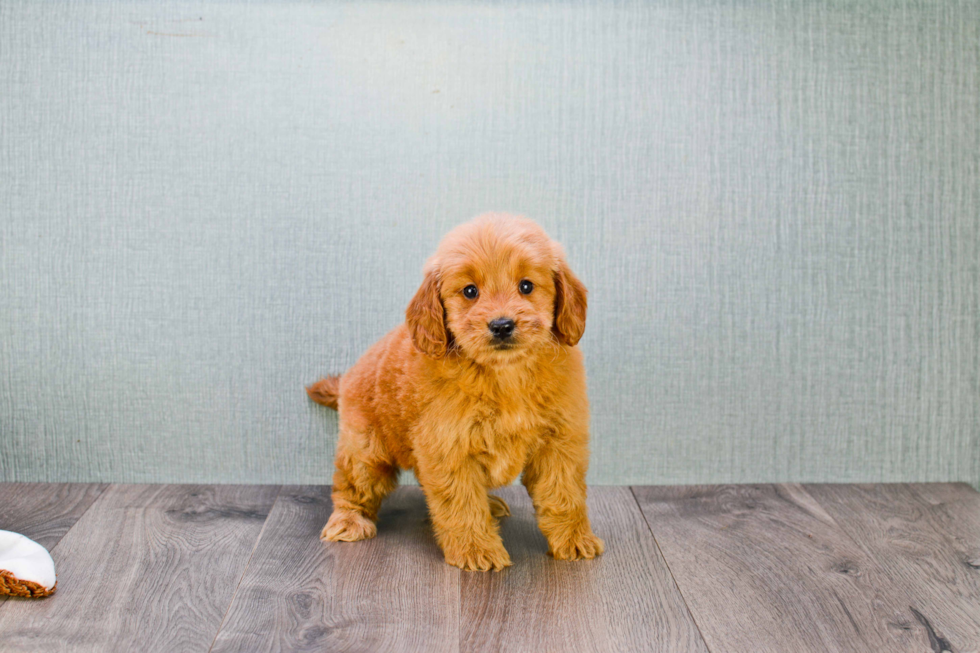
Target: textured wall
<point>776,207</point>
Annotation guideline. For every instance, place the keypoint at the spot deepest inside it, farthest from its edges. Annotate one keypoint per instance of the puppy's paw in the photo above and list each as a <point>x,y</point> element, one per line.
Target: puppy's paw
<point>474,558</point>
<point>499,507</point>
<point>581,547</point>
<point>348,526</point>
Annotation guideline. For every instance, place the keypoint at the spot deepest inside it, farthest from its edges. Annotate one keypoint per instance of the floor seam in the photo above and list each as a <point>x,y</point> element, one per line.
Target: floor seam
<point>669,570</point>
<point>245,570</point>
<point>98,498</point>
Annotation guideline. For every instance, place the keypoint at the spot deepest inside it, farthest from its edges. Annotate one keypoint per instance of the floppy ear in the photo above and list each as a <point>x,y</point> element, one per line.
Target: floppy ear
<point>570,305</point>
<point>426,319</point>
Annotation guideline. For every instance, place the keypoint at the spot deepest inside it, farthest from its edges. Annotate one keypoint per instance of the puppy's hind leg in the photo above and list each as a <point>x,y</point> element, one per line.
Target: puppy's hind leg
<point>360,483</point>
<point>498,507</point>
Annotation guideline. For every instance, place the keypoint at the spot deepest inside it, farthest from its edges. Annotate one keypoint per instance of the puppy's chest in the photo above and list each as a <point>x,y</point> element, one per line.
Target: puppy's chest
<point>502,434</point>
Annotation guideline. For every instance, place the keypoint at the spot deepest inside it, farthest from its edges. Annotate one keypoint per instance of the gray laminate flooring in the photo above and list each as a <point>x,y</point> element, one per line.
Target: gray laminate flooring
<point>751,568</point>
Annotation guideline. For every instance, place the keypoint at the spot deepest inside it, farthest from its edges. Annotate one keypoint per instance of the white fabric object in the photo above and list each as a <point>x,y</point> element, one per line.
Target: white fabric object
<point>26,559</point>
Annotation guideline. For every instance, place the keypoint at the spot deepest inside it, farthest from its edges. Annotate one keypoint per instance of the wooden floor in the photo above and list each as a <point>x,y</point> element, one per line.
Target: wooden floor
<point>782,568</point>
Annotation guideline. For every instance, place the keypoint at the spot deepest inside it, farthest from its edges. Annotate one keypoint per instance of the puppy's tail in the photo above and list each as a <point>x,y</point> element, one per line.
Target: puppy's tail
<point>325,391</point>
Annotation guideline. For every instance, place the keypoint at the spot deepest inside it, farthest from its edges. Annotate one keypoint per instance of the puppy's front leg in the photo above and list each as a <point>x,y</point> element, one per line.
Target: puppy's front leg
<point>555,479</point>
<point>460,509</point>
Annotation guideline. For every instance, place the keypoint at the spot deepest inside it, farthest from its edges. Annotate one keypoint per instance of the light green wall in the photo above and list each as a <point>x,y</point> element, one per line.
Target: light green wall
<point>775,205</point>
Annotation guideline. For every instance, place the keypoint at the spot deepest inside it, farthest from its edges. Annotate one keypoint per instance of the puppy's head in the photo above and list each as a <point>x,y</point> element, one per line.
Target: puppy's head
<point>496,289</point>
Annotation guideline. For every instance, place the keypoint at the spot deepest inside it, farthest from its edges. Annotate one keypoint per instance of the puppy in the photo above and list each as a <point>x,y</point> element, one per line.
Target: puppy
<point>482,382</point>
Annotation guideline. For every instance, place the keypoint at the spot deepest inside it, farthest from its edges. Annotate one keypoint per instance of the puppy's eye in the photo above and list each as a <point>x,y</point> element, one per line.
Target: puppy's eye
<point>470,292</point>
<point>525,287</point>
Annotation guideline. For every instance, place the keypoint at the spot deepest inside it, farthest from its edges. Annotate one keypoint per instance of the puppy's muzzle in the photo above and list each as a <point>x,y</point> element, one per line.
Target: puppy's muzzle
<point>502,329</point>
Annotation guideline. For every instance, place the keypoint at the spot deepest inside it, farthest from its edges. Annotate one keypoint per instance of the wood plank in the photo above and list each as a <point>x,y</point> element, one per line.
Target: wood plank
<point>45,511</point>
<point>390,593</point>
<point>765,568</point>
<point>147,568</point>
<point>624,600</point>
<point>927,539</point>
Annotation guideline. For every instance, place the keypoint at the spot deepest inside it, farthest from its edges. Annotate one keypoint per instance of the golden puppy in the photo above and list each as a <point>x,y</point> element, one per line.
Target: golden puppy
<point>483,381</point>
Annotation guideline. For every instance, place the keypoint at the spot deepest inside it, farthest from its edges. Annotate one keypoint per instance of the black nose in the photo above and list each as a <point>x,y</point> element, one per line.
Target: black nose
<point>502,327</point>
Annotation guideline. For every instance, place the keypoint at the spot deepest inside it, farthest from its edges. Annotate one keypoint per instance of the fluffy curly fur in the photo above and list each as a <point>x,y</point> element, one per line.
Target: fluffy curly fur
<point>467,412</point>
